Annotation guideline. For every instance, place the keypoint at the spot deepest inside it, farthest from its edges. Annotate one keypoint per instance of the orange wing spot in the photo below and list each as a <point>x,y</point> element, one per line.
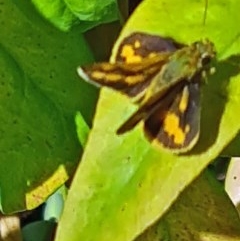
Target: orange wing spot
<point>187,128</point>
<point>107,67</point>
<point>134,79</point>
<point>153,54</point>
<point>98,75</point>
<point>137,44</point>
<point>129,54</point>
<point>183,104</point>
<point>127,50</point>
<point>172,128</point>
<point>134,59</point>
<point>113,77</point>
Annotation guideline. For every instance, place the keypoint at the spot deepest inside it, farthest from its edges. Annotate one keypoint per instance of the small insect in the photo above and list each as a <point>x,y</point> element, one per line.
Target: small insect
<point>164,79</point>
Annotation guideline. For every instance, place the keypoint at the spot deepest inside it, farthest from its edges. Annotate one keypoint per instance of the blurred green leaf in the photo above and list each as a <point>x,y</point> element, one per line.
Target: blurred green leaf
<point>82,129</point>
<point>232,149</point>
<point>39,231</point>
<point>40,95</point>
<point>123,184</point>
<point>94,10</point>
<point>64,14</point>
<point>57,12</point>
<point>202,212</point>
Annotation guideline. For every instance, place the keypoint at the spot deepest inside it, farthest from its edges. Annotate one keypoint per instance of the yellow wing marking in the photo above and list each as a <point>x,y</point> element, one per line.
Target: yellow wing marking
<point>137,44</point>
<point>128,53</point>
<point>171,125</point>
<point>183,104</point>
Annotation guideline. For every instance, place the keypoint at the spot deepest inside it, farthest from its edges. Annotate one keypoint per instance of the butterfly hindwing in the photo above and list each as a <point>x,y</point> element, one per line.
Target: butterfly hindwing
<point>149,107</point>
<point>176,126</point>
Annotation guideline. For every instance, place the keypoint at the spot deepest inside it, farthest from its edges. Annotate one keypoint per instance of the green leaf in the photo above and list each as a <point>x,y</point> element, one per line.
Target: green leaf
<point>232,149</point>
<point>56,12</point>
<point>123,184</point>
<point>202,212</point>
<point>40,95</point>
<point>64,14</point>
<point>82,129</point>
<point>93,10</point>
<point>39,231</point>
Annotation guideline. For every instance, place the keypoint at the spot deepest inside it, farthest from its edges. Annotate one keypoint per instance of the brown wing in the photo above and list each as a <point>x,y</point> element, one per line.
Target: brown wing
<point>177,125</point>
<point>173,121</point>
<point>148,108</point>
<point>140,45</point>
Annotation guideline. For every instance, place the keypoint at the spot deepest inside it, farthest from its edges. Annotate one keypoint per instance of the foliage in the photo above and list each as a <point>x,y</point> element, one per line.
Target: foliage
<point>124,189</point>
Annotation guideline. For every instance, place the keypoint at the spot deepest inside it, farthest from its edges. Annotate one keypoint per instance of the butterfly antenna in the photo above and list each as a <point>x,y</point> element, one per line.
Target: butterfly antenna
<point>205,12</point>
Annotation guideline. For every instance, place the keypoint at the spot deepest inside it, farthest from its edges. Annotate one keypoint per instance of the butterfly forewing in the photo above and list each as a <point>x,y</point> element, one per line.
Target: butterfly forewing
<point>139,46</point>
<point>139,58</point>
<point>130,79</point>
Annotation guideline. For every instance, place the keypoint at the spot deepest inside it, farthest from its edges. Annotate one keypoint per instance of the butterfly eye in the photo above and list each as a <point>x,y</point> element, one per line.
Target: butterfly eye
<point>206,59</point>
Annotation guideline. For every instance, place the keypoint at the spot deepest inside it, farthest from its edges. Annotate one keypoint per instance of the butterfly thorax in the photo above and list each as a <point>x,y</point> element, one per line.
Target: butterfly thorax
<point>184,64</point>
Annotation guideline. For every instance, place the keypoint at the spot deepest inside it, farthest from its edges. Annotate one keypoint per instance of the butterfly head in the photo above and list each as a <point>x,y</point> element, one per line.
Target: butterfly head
<point>206,51</point>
